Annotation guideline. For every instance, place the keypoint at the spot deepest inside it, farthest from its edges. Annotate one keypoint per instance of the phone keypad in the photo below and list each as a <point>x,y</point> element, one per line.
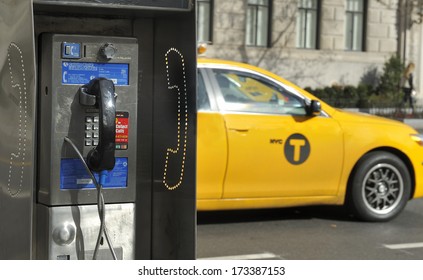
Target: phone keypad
<point>91,131</point>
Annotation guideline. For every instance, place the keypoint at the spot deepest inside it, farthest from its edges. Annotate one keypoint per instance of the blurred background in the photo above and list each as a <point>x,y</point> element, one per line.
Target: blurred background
<point>350,53</point>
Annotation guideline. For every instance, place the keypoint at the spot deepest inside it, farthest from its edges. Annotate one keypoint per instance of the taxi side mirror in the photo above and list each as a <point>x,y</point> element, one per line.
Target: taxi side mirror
<point>314,108</point>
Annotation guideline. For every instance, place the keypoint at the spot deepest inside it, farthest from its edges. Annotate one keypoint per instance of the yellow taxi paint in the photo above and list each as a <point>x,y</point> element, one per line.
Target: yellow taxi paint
<point>380,134</point>
<point>258,165</point>
<point>212,155</point>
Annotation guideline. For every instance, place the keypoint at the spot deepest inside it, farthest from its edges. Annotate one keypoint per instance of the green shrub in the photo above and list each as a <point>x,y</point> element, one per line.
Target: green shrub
<point>338,96</point>
<point>386,94</point>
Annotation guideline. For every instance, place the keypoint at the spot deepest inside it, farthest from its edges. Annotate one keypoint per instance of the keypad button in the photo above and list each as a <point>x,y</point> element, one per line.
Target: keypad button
<point>88,142</point>
<point>88,135</point>
<point>89,119</point>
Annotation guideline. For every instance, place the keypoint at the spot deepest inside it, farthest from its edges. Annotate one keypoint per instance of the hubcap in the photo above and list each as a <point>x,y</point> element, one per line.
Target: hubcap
<point>382,188</point>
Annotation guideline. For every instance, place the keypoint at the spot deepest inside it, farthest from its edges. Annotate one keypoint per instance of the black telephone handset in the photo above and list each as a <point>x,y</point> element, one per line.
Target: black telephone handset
<point>100,92</point>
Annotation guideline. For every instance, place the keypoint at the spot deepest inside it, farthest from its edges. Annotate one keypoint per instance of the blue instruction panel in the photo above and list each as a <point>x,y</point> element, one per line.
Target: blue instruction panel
<point>80,73</point>
<point>73,175</point>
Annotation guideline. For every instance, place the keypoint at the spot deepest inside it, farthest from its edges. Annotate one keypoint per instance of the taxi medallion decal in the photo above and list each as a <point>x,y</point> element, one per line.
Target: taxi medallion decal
<point>297,149</point>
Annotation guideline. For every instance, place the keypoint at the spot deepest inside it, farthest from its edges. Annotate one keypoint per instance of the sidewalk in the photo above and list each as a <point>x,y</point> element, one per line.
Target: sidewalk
<point>415,123</point>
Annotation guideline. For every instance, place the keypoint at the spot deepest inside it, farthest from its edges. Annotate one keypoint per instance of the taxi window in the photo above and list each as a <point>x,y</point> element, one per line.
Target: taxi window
<point>251,93</point>
<point>203,102</point>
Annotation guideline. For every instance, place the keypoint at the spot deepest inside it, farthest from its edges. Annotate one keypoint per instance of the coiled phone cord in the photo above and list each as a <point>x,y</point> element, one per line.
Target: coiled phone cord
<point>100,204</point>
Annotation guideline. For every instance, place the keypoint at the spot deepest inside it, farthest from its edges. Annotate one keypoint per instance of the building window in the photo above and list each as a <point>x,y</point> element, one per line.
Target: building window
<point>355,25</point>
<point>204,20</point>
<point>257,28</point>
<point>308,24</point>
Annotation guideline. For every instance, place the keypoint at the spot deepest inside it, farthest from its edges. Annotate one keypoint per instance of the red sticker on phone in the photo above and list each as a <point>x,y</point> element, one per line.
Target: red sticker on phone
<point>122,130</point>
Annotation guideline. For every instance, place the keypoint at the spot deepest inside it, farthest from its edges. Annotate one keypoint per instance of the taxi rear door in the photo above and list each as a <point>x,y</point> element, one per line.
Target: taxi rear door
<point>212,147</point>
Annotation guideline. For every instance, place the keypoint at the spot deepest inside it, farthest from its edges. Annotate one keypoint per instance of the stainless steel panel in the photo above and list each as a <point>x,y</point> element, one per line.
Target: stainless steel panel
<point>17,126</point>
<point>71,232</point>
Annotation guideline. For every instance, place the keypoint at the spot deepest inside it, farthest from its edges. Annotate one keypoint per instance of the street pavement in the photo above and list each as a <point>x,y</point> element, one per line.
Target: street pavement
<point>309,233</point>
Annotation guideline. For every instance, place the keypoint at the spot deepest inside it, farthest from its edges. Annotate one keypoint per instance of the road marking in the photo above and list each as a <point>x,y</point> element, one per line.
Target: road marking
<point>245,257</point>
<point>404,246</point>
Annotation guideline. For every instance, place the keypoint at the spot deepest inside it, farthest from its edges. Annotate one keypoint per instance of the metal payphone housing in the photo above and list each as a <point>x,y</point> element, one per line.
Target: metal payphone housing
<point>65,189</point>
<point>62,114</point>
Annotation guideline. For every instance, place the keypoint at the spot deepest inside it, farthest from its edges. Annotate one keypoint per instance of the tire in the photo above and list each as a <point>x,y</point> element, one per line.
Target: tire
<point>379,188</point>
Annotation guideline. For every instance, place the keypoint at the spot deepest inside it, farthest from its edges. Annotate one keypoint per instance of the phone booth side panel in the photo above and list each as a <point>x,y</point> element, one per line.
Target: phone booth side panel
<point>17,127</point>
<point>174,189</point>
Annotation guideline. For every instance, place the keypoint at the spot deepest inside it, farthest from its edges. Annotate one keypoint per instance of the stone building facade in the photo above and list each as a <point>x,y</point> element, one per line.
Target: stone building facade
<point>351,39</point>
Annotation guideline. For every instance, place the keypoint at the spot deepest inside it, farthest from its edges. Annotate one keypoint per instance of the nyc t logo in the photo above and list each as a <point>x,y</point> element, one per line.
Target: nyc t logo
<point>297,149</point>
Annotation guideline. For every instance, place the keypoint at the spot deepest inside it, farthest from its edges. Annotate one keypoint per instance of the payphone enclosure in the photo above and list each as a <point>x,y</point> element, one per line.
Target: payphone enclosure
<point>50,50</point>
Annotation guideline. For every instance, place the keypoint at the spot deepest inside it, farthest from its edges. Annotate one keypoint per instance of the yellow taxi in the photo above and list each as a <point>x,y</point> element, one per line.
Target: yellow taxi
<point>265,143</point>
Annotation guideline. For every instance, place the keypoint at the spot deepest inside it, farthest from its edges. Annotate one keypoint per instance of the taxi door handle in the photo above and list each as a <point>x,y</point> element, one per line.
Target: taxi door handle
<point>240,129</point>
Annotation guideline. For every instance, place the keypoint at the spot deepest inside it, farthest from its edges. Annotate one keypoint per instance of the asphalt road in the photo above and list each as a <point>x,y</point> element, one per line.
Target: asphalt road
<point>309,233</point>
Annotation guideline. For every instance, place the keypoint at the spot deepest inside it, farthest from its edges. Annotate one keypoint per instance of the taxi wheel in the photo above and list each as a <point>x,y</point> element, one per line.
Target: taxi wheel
<point>380,187</point>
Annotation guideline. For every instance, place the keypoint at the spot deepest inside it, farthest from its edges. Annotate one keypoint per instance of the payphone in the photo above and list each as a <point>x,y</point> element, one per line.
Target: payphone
<point>87,153</point>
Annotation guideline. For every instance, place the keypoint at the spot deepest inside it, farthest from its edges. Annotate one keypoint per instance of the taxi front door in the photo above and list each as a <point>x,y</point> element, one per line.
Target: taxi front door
<point>282,156</point>
<point>274,148</point>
